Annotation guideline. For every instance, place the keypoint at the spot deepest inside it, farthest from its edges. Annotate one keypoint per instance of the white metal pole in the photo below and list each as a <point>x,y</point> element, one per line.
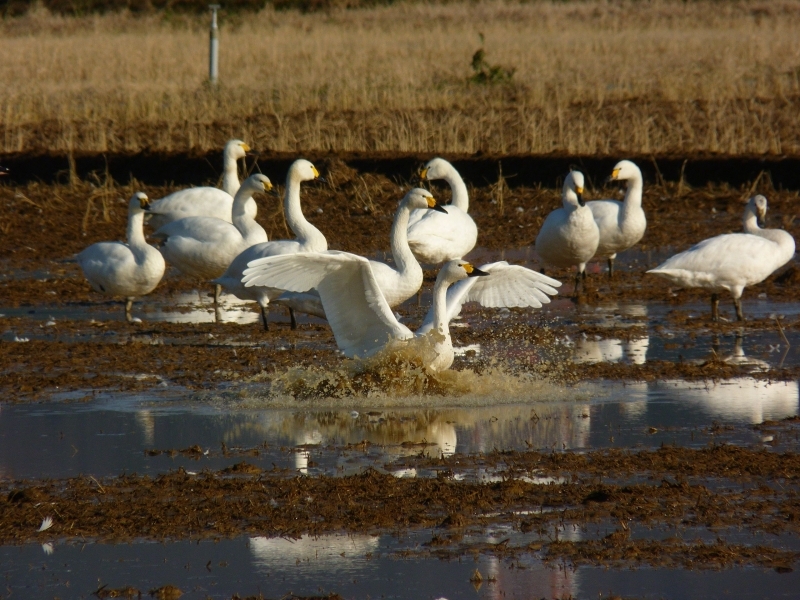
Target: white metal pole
<point>213,59</point>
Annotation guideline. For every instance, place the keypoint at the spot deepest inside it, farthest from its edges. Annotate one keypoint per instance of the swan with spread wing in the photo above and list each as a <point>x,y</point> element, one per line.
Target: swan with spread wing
<point>362,320</point>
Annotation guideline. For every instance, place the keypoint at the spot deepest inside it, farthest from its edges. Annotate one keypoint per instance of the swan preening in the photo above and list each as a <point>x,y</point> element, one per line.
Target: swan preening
<point>203,247</point>
<point>435,238</point>
<point>308,239</point>
<point>621,224</point>
<point>569,235</point>
<point>732,261</point>
<point>128,270</point>
<point>205,201</point>
<point>362,320</point>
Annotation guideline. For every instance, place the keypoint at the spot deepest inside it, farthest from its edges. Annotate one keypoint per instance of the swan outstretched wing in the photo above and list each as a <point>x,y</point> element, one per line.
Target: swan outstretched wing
<point>506,286</point>
<point>361,319</point>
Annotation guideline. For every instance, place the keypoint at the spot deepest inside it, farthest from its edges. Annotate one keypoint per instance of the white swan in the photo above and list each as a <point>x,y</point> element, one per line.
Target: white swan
<point>203,247</point>
<point>363,322</point>
<point>621,224</point>
<point>508,286</point>
<point>397,284</point>
<point>731,261</point>
<point>129,270</point>
<point>569,235</point>
<point>309,239</point>
<point>435,238</point>
<point>204,201</point>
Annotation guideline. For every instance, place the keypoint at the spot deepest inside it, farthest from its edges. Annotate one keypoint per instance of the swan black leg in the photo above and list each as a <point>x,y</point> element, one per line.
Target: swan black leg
<point>264,314</point>
<point>217,294</point>
<point>737,302</point>
<point>128,307</point>
<point>715,307</point>
<point>292,318</point>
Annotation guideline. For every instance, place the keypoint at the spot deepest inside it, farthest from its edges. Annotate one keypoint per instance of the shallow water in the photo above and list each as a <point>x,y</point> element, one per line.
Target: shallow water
<point>114,432</point>
<point>145,433</point>
<point>354,566</point>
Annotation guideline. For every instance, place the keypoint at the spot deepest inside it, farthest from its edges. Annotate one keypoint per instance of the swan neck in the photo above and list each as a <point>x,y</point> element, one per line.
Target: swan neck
<point>459,190</point>
<point>750,222</point>
<point>633,195</point>
<point>309,236</point>
<point>240,218</point>
<point>440,323</point>
<point>570,200</point>
<point>230,175</point>
<point>404,259</point>
<point>136,239</point>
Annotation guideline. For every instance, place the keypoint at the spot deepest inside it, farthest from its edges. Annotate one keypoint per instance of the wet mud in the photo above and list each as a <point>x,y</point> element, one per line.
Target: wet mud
<point>619,499</point>
<point>668,507</point>
<point>44,226</point>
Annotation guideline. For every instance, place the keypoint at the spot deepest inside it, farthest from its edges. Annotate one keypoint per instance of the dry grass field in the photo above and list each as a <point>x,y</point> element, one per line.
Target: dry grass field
<point>592,77</point>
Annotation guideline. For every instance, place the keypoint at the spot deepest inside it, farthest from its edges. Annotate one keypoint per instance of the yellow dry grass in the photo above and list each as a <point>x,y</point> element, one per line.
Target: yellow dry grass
<point>590,77</point>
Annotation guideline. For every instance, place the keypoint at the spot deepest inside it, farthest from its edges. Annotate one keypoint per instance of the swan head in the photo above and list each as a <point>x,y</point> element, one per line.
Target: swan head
<point>572,193</point>
<point>420,198</point>
<point>437,168</point>
<point>138,203</point>
<point>758,205</point>
<point>456,270</point>
<point>236,149</point>
<point>624,170</point>
<point>303,170</point>
<point>256,183</point>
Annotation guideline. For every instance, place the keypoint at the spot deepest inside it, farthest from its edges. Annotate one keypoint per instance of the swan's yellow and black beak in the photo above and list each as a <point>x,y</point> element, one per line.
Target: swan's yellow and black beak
<point>613,176</point>
<point>473,271</point>
<point>432,203</point>
<point>317,176</point>
<point>761,217</point>
<point>245,147</point>
<point>423,175</point>
<point>579,193</point>
<point>144,202</point>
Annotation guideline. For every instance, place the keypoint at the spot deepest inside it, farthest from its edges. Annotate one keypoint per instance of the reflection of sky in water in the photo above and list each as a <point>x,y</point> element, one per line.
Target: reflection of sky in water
<point>112,433</point>
<point>354,566</point>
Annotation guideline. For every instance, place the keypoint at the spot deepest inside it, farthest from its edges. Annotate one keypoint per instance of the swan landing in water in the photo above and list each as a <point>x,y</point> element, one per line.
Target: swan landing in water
<point>732,261</point>
<point>362,320</point>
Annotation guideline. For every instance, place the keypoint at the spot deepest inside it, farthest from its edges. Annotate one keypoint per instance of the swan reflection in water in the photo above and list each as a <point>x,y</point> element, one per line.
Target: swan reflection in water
<point>740,398</point>
<point>611,350</point>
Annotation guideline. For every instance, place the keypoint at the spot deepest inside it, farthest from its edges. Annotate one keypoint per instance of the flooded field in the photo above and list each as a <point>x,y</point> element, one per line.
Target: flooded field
<point>613,444</point>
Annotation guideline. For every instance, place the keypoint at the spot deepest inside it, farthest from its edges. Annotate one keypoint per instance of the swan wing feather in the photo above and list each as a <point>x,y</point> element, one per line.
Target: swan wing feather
<point>506,286</point>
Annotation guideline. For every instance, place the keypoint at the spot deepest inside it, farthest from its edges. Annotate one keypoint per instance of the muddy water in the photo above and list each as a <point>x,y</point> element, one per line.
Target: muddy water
<point>170,424</point>
<point>116,433</point>
<point>354,566</point>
